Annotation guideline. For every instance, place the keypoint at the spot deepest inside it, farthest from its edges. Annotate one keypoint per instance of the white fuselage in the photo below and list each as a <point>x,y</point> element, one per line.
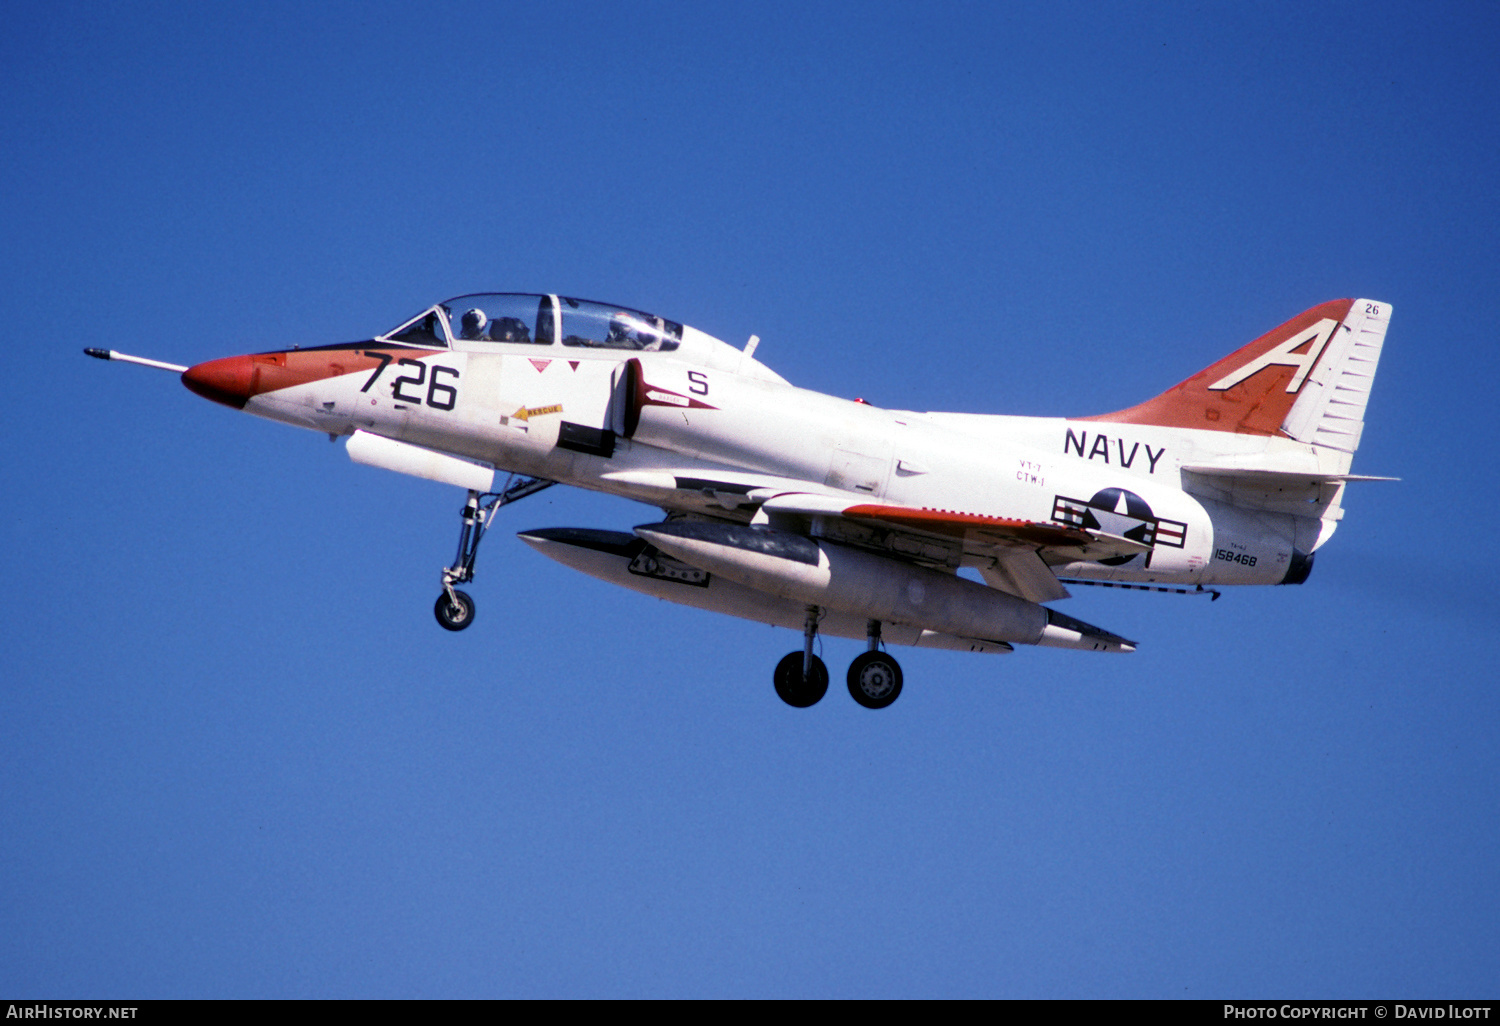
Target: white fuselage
<point>707,413</point>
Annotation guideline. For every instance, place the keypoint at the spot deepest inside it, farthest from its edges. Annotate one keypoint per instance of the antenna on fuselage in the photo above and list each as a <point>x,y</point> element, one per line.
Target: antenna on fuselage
<point>748,353</point>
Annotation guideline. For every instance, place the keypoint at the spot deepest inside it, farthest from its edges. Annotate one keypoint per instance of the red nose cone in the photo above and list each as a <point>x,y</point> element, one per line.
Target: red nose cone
<point>230,381</point>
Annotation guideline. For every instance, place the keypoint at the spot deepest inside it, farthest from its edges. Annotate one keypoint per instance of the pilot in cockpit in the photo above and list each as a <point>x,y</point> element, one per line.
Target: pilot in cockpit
<point>651,336</point>
<point>509,329</point>
<point>473,324</point>
<point>621,333</point>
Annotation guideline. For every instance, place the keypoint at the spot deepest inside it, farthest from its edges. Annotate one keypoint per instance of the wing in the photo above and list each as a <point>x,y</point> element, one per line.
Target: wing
<point>1013,556</point>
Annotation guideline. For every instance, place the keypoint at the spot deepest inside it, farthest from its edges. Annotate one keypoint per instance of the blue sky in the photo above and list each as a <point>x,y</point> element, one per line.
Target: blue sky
<point>238,758</point>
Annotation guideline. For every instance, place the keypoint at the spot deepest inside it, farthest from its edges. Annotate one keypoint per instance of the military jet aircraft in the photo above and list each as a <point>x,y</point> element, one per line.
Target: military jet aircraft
<point>822,514</point>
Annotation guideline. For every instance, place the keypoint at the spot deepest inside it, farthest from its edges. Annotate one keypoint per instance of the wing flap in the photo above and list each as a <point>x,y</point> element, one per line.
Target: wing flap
<point>954,524</point>
<point>1023,573</point>
<point>979,530</point>
<point>999,537</point>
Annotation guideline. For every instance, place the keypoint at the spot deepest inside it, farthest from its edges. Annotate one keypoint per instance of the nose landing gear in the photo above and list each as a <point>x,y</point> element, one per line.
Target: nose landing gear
<point>455,609</point>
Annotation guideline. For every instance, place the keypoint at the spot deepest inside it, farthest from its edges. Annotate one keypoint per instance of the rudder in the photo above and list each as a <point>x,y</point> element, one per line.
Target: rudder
<point>1331,409</point>
<point>1308,380</point>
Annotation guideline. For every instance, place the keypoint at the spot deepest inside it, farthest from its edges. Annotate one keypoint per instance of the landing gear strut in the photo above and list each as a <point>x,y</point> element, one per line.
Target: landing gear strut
<point>801,678</point>
<point>455,609</point>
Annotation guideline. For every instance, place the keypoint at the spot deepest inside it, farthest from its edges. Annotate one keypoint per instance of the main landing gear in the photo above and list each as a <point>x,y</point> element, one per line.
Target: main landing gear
<point>874,677</point>
<point>455,609</point>
<point>801,678</point>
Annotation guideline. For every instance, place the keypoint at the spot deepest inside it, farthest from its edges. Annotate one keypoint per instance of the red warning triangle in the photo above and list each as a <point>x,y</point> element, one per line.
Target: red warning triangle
<point>540,365</point>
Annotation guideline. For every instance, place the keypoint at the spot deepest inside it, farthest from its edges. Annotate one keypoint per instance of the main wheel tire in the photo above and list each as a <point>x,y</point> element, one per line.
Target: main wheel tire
<point>875,680</point>
<point>795,691</point>
<point>454,616</point>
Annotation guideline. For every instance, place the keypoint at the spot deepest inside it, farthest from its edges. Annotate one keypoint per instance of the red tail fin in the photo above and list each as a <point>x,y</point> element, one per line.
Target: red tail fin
<point>1251,390</point>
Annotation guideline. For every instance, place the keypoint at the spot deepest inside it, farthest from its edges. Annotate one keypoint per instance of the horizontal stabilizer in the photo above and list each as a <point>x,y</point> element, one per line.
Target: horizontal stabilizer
<point>1281,477</point>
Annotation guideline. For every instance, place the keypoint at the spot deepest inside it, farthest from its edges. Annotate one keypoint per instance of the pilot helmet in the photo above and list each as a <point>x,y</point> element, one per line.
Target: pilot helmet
<point>473,323</point>
<point>622,327</point>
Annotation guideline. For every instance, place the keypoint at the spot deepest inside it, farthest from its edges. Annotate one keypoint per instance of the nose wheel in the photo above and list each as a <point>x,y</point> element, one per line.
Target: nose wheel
<point>454,612</point>
<point>455,609</point>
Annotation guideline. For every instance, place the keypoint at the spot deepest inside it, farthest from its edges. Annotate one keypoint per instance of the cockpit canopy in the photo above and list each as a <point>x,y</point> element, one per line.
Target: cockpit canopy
<point>519,318</point>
